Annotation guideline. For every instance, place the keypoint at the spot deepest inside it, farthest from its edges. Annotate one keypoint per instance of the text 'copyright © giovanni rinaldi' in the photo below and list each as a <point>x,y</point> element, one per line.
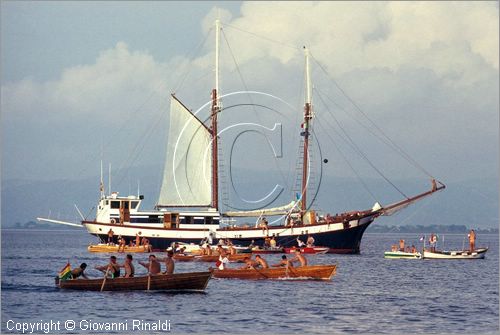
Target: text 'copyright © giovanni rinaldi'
<point>51,326</point>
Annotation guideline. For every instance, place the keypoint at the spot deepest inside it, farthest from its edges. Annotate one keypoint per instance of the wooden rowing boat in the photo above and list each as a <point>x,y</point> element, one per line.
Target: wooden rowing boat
<point>457,254</point>
<point>114,248</point>
<point>312,272</point>
<point>402,255</point>
<point>308,250</point>
<point>206,258</point>
<point>193,281</point>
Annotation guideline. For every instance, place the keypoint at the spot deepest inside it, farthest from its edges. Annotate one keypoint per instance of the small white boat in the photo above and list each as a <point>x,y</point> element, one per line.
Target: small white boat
<point>457,254</point>
<point>402,255</point>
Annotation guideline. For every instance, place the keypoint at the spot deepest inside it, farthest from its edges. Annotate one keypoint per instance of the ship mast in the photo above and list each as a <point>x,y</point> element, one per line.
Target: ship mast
<point>305,133</point>
<point>215,110</point>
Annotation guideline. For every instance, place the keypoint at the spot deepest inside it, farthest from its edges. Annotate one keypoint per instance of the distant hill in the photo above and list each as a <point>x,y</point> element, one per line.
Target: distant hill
<point>472,203</point>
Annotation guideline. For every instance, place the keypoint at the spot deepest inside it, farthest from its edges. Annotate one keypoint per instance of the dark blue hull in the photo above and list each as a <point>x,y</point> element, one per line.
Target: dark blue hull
<point>344,241</point>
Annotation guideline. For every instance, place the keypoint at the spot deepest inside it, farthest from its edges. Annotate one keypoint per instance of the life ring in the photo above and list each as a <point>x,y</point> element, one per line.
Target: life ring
<point>113,221</point>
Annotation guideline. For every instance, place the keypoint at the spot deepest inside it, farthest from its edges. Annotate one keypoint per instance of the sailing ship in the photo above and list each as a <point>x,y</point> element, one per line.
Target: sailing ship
<point>188,208</point>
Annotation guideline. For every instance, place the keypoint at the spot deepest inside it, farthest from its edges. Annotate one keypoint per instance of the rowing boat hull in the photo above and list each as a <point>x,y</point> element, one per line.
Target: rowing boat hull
<point>458,254</point>
<point>313,272</point>
<point>308,250</point>
<point>194,281</point>
<point>114,248</point>
<point>206,258</point>
<point>402,255</point>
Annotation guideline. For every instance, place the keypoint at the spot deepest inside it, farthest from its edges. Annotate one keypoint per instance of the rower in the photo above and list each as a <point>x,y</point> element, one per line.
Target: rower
<point>128,266</point>
<point>153,265</point>
<point>169,262</point>
<point>283,263</point>
<point>261,262</point>
<point>114,268</point>
<point>249,263</point>
<point>299,257</point>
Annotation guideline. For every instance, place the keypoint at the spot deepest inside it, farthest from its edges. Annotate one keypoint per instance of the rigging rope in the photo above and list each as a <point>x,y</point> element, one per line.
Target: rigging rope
<point>393,145</point>
<point>353,145</point>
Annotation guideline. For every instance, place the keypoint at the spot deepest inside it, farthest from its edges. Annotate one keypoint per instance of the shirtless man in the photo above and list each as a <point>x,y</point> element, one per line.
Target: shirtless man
<point>249,263</point>
<point>78,272</point>
<point>169,263</point>
<point>129,267</point>
<point>222,251</point>
<point>111,233</point>
<point>261,262</point>
<point>472,240</point>
<point>153,265</point>
<point>299,257</point>
<point>114,268</point>
<point>283,263</point>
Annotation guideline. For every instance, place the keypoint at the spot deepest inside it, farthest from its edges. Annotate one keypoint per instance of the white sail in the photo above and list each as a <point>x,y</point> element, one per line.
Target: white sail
<point>187,174</point>
<point>265,211</point>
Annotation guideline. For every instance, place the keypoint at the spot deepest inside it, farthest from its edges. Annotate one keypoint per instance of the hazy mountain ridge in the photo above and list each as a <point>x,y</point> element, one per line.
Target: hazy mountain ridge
<point>469,203</point>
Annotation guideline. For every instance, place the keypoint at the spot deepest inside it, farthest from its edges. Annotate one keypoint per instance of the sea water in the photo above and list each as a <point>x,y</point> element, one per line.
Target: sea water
<point>369,294</point>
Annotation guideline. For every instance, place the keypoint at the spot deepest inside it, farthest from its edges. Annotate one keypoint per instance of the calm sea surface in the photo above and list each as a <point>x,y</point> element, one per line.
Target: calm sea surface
<point>369,294</point>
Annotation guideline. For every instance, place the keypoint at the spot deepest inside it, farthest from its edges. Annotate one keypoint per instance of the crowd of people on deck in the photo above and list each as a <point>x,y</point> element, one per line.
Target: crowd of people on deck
<point>122,242</point>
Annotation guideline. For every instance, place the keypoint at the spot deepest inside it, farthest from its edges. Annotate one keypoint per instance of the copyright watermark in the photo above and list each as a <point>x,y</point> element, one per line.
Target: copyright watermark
<point>51,326</point>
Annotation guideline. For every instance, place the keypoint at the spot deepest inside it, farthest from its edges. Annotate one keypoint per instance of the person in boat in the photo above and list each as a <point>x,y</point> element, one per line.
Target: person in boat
<point>433,241</point>
<point>222,252</point>
<point>283,263</point>
<point>300,243</point>
<point>413,249</point>
<point>261,262</point>
<point>267,242</point>
<point>249,263</point>
<point>252,244</point>
<point>408,249</point>
<point>299,258</point>
<point>169,262</point>
<point>272,243</point>
<point>208,250</point>
<point>153,266</point>
<point>394,247</point>
<point>121,244</point>
<point>111,233</point>
<point>264,225</point>
<point>138,239</point>
<point>112,268</point>
<point>79,272</point>
<point>402,245</point>
<point>310,241</point>
<point>128,266</point>
<point>472,240</point>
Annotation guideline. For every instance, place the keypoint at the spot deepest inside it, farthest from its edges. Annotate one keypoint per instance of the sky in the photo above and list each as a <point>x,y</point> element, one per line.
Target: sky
<point>82,81</point>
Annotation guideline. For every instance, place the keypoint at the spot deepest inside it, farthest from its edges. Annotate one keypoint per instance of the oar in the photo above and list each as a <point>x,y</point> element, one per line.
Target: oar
<point>149,275</point>
<point>104,280</point>
<point>262,274</point>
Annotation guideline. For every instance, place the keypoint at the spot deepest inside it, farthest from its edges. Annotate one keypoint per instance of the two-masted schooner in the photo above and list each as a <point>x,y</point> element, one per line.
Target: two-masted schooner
<point>188,208</point>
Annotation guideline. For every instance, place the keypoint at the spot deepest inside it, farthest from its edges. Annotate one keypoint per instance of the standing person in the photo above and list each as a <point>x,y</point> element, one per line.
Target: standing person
<point>128,266</point>
<point>114,267</point>
<point>153,266</point>
<point>138,239</point>
<point>300,258</point>
<point>310,241</point>
<point>111,233</point>
<point>300,243</point>
<point>472,240</point>
<point>402,245</point>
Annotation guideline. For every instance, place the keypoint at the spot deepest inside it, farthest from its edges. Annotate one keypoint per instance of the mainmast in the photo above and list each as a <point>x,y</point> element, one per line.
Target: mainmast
<point>215,110</point>
<point>305,133</point>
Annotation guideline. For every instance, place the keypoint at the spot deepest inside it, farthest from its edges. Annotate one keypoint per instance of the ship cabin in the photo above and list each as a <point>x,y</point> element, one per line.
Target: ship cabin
<point>125,211</point>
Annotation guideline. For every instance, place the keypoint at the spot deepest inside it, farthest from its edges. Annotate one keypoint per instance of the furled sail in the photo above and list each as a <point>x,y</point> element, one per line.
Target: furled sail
<point>188,165</point>
<point>264,212</point>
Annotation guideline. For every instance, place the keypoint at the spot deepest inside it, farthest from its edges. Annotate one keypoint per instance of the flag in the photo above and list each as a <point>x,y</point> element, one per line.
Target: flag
<point>422,238</point>
<point>65,273</point>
